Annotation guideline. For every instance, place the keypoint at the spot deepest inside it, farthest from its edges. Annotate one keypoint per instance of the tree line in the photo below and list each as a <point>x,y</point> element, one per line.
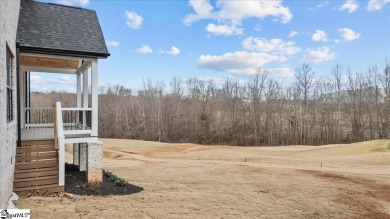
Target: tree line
<point>342,107</point>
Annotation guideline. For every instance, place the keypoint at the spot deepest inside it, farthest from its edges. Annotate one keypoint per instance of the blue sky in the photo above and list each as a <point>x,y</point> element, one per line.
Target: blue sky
<point>220,39</point>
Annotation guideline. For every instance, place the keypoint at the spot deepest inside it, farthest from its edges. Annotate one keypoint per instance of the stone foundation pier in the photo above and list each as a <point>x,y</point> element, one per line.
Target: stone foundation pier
<point>76,153</point>
<point>94,162</point>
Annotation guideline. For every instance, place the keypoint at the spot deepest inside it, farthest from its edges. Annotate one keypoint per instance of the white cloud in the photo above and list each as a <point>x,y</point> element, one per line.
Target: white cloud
<point>277,46</point>
<point>337,41</point>
<point>376,5</point>
<point>112,43</point>
<point>47,82</point>
<point>319,55</point>
<point>224,29</point>
<point>232,13</point>
<point>173,51</point>
<point>239,10</point>
<point>145,49</point>
<point>349,5</point>
<point>322,4</point>
<point>348,34</point>
<point>36,79</point>
<point>293,34</point>
<point>237,63</point>
<point>74,2</point>
<point>133,20</point>
<point>203,10</point>
<point>319,35</point>
<point>65,79</point>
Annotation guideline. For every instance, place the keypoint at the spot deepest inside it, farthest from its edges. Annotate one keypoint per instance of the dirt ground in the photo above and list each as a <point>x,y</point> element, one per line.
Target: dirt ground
<point>193,181</point>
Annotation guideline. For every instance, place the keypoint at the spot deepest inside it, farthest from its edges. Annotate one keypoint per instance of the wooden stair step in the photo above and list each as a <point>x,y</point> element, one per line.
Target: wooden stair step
<point>36,183</point>
<point>36,165</point>
<point>49,188</point>
<point>35,149</point>
<point>36,170</point>
<point>37,157</point>
<point>21,176</point>
<point>38,142</point>
<point>34,154</point>
<point>38,178</point>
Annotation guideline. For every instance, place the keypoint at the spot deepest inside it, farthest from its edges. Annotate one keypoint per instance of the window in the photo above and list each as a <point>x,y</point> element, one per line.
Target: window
<point>10,90</point>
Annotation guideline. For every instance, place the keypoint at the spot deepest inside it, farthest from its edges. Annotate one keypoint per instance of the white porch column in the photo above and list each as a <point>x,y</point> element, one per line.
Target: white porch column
<point>27,96</point>
<point>85,94</point>
<point>85,88</point>
<point>78,97</point>
<point>22,92</point>
<point>94,85</point>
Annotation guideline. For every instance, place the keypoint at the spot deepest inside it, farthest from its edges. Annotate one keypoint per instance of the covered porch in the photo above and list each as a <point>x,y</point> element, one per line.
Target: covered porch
<point>78,121</point>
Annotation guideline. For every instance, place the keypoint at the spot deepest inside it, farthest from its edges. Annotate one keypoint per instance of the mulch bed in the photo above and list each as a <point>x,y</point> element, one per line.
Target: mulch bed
<point>76,183</point>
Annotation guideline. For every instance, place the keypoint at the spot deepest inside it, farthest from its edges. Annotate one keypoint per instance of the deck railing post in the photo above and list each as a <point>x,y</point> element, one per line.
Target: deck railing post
<point>85,95</point>
<point>59,128</point>
<point>94,85</point>
<point>78,96</point>
<point>54,114</point>
<point>61,161</point>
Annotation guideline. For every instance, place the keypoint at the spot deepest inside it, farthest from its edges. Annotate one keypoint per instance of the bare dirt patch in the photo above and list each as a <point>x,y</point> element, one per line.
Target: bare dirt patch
<point>374,188</point>
<point>367,195</point>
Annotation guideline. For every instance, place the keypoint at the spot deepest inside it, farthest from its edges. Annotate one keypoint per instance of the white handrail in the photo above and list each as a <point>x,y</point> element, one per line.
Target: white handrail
<point>47,108</point>
<point>38,108</point>
<point>43,125</point>
<point>77,132</point>
<point>76,109</point>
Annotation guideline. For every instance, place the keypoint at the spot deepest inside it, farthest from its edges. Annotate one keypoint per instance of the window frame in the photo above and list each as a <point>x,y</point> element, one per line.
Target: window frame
<point>10,89</point>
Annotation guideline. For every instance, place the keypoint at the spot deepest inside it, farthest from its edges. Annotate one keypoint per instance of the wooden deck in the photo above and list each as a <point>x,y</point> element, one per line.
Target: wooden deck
<point>37,134</point>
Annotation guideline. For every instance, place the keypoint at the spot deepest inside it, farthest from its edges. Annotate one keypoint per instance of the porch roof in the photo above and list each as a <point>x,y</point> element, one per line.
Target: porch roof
<point>53,29</point>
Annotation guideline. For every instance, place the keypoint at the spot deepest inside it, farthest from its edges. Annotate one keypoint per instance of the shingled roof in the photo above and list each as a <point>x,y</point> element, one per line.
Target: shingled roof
<point>60,30</point>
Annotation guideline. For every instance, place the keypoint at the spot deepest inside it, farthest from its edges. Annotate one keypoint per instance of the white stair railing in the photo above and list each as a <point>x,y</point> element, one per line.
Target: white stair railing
<point>59,139</point>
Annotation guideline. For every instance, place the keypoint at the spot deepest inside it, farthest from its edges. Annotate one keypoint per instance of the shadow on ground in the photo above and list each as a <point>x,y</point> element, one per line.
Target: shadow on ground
<point>75,183</point>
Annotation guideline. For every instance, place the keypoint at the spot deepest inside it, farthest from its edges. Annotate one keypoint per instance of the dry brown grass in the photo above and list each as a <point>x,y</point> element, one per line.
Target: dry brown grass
<point>193,181</point>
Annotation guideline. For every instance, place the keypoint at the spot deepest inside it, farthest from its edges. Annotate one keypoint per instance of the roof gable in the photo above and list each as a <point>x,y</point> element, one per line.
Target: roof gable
<point>59,29</point>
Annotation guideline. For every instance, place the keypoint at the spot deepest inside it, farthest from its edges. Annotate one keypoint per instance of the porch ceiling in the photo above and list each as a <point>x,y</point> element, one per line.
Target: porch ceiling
<point>49,62</point>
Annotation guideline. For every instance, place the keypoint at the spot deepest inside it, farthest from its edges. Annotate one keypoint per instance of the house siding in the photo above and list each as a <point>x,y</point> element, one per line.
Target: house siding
<point>9,15</point>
